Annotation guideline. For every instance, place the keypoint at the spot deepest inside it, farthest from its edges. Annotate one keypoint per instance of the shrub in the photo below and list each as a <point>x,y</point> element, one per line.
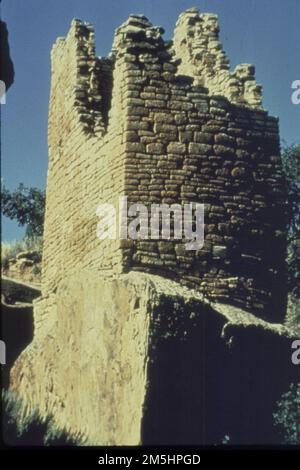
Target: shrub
<point>291,168</point>
<point>287,415</point>
<point>31,430</point>
<point>26,206</point>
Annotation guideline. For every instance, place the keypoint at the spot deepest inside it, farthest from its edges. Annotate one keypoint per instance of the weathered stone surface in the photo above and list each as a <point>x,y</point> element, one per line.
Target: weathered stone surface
<point>87,363</point>
<point>196,43</point>
<point>25,267</point>
<point>141,359</point>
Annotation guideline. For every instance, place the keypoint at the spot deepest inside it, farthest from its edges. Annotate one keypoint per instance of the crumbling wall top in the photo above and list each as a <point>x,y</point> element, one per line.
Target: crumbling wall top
<point>197,45</point>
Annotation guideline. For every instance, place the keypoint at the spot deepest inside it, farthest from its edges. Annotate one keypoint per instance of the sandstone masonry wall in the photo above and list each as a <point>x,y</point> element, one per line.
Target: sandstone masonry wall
<point>86,157</point>
<point>133,125</point>
<point>197,44</point>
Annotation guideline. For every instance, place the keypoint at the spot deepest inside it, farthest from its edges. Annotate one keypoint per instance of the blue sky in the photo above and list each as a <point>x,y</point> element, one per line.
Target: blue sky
<point>262,32</point>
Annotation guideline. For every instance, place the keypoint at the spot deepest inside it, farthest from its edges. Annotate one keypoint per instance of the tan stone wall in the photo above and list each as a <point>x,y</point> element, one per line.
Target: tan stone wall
<point>86,159</point>
<point>197,45</point>
<point>166,139</point>
<point>187,144</point>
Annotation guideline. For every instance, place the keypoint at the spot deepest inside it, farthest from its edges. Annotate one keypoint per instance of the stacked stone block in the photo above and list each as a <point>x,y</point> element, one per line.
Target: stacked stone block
<point>132,125</point>
<point>197,44</point>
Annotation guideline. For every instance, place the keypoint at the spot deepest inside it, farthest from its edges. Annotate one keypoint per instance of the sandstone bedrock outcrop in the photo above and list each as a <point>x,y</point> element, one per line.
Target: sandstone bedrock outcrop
<point>142,341</point>
<point>141,359</point>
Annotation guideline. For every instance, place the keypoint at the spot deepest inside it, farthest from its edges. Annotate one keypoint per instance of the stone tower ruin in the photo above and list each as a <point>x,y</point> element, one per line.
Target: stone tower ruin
<point>159,122</point>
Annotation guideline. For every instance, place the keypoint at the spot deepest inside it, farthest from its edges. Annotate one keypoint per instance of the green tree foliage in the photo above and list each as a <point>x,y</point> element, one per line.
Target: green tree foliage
<point>287,415</point>
<point>31,430</point>
<point>291,167</point>
<point>26,206</point>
